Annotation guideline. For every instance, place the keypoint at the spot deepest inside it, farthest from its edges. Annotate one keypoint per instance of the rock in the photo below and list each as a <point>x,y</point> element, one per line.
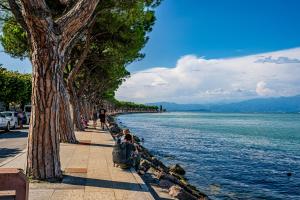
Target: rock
<point>158,164</point>
<point>165,183</point>
<point>155,161</point>
<point>115,129</point>
<point>141,172</point>
<point>157,173</point>
<point>177,169</point>
<point>110,119</point>
<point>145,165</point>
<point>181,177</point>
<point>163,175</point>
<point>154,171</point>
<point>179,193</point>
<point>182,183</point>
<point>136,139</point>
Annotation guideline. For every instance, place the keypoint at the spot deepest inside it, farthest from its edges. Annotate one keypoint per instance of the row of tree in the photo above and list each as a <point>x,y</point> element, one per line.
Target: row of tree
<point>16,92</point>
<point>125,106</point>
<point>79,50</point>
<point>15,88</point>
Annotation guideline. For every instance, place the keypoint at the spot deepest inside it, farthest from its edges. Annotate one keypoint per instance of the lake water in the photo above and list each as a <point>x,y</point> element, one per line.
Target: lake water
<point>228,156</point>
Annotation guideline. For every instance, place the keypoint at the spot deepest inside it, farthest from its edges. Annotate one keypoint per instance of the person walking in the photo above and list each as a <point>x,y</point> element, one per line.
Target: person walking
<point>102,116</point>
<point>20,118</point>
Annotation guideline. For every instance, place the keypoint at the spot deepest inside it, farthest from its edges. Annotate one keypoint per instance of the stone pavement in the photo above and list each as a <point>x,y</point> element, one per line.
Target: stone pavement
<point>88,173</point>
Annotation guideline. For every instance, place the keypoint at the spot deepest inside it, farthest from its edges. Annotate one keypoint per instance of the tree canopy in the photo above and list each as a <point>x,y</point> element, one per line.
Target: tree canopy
<point>15,87</point>
<point>115,39</point>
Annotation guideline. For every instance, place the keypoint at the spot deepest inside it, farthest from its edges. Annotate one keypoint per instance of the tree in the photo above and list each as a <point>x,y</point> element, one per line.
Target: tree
<point>57,34</point>
<point>113,41</point>
<point>52,33</point>
<point>15,87</point>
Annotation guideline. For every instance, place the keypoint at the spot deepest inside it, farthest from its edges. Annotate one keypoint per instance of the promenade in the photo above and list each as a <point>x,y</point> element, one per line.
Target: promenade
<point>88,172</point>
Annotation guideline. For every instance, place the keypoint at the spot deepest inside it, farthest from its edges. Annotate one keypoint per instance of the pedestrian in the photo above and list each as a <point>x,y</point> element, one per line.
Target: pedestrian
<point>102,113</point>
<point>83,121</point>
<point>125,153</point>
<point>20,118</point>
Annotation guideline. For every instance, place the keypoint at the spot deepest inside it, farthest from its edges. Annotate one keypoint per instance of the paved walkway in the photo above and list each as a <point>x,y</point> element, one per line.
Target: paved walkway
<point>89,173</point>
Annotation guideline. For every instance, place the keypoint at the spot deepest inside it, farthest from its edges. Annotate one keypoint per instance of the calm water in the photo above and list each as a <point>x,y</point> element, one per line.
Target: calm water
<point>228,156</point>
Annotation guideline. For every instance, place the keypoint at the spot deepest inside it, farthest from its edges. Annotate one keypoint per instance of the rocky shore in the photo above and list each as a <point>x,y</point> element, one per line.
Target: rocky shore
<point>165,181</point>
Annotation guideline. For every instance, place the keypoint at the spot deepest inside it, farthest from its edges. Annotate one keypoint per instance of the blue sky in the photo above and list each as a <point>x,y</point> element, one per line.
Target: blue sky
<point>220,28</point>
<point>205,51</point>
<point>213,29</point>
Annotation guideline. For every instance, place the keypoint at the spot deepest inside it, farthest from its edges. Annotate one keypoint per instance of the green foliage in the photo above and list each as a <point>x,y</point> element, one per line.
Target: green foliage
<point>14,39</point>
<point>132,106</point>
<point>15,87</point>
<point>117,37</point>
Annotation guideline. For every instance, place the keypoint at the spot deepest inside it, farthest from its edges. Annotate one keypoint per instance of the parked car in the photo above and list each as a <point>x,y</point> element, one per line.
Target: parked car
<point>13,118</point>
<point>4,123</point>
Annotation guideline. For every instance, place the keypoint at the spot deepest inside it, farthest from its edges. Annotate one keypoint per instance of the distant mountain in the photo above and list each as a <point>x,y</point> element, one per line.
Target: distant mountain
<point>280,104</point>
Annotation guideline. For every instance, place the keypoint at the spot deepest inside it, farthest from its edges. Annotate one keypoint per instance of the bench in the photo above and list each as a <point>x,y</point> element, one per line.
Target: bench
<point>13,184</point>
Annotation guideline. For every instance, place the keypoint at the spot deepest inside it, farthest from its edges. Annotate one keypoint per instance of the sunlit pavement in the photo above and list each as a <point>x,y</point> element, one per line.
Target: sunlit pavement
<point>12,143</point>
<point>88,172</point>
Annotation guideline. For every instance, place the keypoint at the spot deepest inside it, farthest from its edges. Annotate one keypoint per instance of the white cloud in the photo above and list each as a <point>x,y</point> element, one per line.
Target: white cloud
<point>279,60</point>
<point>199,80</point>
<point>262,90</point>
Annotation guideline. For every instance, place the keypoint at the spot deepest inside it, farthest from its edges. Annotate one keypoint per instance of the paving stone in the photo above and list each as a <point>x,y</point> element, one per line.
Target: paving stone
<point>40,194</point>
<point>68,195</point>
<point>105,195</point>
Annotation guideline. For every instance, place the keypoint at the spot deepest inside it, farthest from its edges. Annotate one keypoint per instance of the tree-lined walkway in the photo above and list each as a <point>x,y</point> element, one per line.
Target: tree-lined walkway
<point>88,172</point>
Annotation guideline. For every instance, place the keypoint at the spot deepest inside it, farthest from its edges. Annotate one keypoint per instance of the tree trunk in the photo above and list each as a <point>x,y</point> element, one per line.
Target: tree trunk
<point>86,109</point>
<point>50,41</point>
<point>75,108</point>
<point>43,160</point>
<point>67,133</point>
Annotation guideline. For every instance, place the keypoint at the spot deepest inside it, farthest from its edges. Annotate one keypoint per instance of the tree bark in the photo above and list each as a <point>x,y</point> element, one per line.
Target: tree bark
<point>67,133</point>
<point>75,108</point>
<point>86,109</point>
<point>50,42</point>
<point>43,160</point>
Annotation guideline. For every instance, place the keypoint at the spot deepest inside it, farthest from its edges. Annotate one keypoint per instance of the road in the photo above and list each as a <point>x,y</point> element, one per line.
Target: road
<point>12,143</point>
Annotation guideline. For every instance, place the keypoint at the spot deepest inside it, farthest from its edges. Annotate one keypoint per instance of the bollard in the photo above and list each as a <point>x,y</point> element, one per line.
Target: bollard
<point>13,184</point>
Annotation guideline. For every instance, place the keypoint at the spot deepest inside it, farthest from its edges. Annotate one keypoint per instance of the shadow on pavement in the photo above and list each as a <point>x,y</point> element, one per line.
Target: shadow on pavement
<point>97,145</point>
<point>75,180</point>
<point>13,134</point>
<point>6,152</point>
